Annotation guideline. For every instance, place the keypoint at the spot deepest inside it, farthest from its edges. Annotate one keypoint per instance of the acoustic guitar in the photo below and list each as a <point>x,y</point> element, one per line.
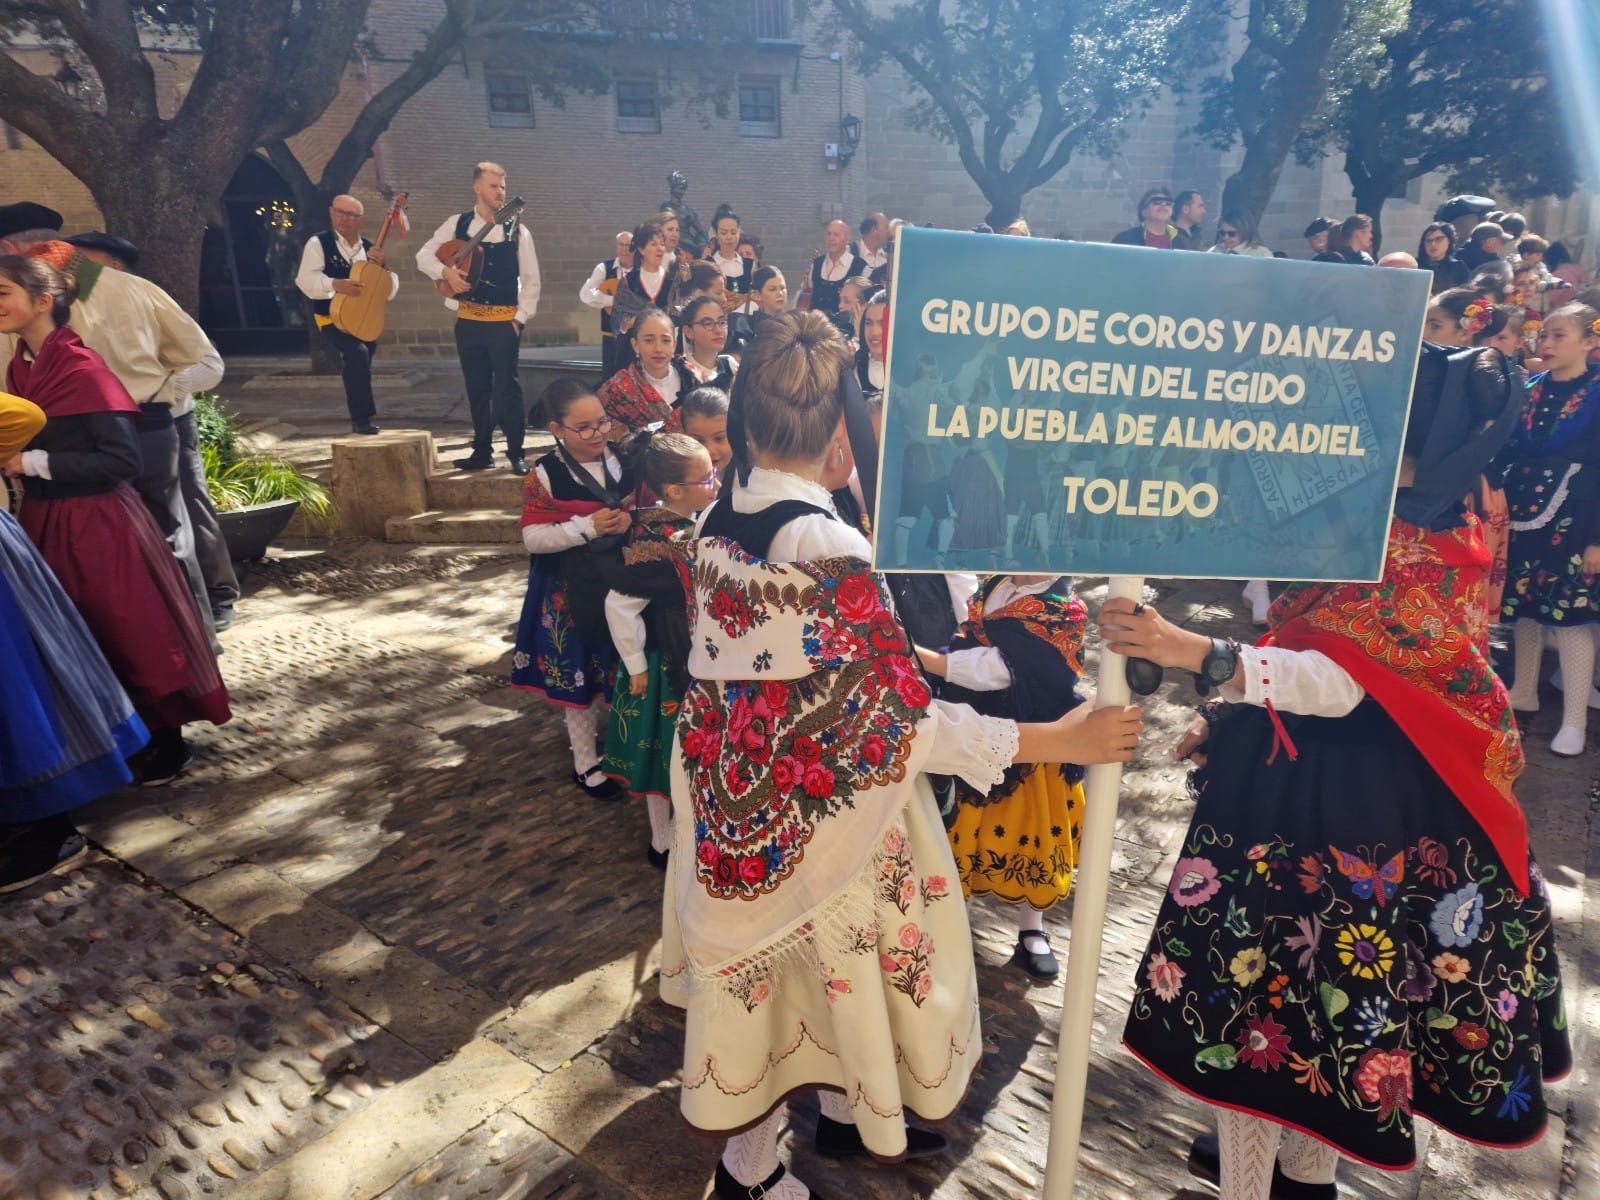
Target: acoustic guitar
<point>466,254</point>
<point>362,315</point>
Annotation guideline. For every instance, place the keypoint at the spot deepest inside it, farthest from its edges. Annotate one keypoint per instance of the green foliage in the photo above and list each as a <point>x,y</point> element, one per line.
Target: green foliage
<point>1021,86</point>
<point>237,479</point>
<point>1464,91</point>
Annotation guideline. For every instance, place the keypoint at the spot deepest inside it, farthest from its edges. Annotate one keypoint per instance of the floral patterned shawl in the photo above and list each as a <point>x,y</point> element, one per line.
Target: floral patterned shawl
<point>795,738</point>
<point>1418,643</point>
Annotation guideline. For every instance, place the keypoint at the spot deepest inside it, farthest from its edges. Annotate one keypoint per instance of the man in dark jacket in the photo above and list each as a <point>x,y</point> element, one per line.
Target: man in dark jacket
<point>1155,228</point>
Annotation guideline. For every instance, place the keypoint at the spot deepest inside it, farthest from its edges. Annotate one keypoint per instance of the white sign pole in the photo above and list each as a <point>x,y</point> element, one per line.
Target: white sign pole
<point>1093,885</point>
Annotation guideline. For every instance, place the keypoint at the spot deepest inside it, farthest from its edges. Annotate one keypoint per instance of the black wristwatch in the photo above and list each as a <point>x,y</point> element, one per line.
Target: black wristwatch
<point>1218,666</point>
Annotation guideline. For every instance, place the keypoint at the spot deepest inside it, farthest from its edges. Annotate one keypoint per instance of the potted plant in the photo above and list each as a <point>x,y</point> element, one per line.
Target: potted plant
<point>256,494</point>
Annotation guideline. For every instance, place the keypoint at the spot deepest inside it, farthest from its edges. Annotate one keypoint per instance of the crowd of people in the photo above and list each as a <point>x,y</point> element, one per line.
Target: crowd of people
<point>833,760</point>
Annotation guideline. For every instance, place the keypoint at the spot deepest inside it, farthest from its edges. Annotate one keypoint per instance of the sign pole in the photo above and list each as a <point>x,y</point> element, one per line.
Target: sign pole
<point>1088,926</point>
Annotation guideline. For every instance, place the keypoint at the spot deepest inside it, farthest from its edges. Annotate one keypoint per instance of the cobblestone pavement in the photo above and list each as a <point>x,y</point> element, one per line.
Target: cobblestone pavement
<point>376,945</point>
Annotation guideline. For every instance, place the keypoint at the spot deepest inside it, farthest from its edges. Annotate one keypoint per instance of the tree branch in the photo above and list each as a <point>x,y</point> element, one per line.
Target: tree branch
<point>41,110</point>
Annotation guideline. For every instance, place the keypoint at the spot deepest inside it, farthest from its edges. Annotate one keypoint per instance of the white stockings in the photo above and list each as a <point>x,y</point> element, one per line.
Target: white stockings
<point>584,727</point>
<point>1304,1159</point>
<point>660,810</point>
<point>1031,920</point>
<point>835,1107</point>
<point>1249,1147</point>
<point>751,1157</point>
<point>1575,649</point>
<point>1528,642</point>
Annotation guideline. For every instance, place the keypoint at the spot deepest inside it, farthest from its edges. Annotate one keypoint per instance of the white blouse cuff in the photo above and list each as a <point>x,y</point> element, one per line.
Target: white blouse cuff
<point>996,750</point>
<point>36,462</point>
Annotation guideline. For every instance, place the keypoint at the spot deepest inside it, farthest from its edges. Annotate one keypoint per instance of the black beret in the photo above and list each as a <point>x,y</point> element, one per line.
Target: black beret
<point>119,248</point>
<point>24,215</point>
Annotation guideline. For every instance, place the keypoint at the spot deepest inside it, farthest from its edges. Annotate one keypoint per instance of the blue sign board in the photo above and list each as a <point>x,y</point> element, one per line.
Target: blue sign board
<point>1076,408</point>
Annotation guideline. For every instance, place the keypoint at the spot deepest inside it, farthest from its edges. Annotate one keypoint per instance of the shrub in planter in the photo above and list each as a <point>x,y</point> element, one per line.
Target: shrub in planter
<point>238,480</point>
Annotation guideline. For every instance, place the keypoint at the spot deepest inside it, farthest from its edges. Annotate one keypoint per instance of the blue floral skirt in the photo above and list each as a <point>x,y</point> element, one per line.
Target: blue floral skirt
<point>550,657</point>
<point>1341,948</point>
<point>66,725</point>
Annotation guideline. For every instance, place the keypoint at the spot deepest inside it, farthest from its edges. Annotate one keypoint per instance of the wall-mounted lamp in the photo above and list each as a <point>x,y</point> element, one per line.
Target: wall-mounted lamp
<point>849,138</point>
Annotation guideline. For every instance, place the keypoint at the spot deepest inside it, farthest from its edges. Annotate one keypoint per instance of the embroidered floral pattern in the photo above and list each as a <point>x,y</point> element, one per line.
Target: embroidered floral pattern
<point>802,749</point>
<point>1356,996</point>
<point>909,963</point>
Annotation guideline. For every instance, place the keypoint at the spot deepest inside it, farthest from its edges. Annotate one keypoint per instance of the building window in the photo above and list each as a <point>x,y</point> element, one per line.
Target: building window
<point>637,109</point>
<point>758,108</point>
<point>769,20</point>
<point>510,100</point>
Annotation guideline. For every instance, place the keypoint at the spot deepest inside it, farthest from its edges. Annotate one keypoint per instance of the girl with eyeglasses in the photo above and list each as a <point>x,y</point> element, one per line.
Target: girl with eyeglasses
<point>574,512</point>
<point>704,326</point>
<point>646,391</point>
<point>649,626</point>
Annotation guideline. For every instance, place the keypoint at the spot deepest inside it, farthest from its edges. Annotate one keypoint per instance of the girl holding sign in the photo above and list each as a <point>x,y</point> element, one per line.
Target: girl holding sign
<point>1355,931</point>
<point>1553,487</point>
<point>811,878</point>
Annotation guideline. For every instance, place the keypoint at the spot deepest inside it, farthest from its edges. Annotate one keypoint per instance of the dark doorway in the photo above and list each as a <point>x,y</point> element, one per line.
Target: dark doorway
<point>248,303</point>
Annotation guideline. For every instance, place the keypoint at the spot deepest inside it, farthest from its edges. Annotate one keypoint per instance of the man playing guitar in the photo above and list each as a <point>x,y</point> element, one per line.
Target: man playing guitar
<point>491,312</point>
<point>324,272</point>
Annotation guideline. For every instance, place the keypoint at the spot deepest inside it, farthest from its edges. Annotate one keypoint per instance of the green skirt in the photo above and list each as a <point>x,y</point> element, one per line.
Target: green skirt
<point>639,737</point>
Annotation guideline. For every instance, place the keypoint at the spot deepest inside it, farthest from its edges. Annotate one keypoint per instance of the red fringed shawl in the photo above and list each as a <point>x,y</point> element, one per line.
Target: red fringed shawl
<point>1418,643</point>
<point>67,378</point>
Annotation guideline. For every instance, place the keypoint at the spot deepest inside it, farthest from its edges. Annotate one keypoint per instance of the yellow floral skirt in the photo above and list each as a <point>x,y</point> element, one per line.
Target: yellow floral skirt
<point>1022,849</point>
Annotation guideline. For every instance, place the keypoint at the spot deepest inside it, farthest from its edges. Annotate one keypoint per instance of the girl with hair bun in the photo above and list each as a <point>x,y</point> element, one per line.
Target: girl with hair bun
<point>811,897</point>
<point>645,613</point>
<point>1552,483</point>
<point>94,531</point>
<point>574,510</point>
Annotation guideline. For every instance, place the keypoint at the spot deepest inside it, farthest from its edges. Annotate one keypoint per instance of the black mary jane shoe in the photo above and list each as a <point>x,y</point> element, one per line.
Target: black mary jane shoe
<point>1205,1162</point>
<point>727,1187</point>
<point>606,789</point>
<point>474,462</point>
<point>1042,967</point>
<point>656,858</point>
<point>837,1139</point>
<point>366,427</point>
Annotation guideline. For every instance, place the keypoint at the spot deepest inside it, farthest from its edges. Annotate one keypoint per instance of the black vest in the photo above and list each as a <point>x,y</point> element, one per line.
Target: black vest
<point>825,292</point>
<point>754,531</point>
<point>738,285</point>
<point>334,265</point>
<point>605,313</point>
<point>497,285</point>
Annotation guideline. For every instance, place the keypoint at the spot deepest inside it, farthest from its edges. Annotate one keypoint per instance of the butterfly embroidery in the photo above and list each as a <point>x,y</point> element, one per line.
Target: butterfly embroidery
<point>1368,879</point>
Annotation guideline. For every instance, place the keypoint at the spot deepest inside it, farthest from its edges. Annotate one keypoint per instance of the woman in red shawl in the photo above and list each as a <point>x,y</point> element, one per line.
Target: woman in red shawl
<point>91,527</point>
<point>1355,931</point>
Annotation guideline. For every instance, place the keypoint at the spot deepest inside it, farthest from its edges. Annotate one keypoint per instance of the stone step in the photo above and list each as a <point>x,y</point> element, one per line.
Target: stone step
<point>497,488</point>
<point>458,526</point>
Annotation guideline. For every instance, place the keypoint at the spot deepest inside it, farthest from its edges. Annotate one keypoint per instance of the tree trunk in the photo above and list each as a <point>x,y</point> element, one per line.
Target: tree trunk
<point>1004,193</point>
<point>162,208</point>
<point>1300,81</point>
<point>1371,195</point>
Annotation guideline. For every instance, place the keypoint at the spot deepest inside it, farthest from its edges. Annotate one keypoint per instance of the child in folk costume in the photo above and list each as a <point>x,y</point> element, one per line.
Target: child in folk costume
<point>574,512</point>
<point>1019,655</point>
<point>649,627</point>
<point>66,725</point>
<point>1356,931</point>
<point>1552,483</point>
<point>811,878</point>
